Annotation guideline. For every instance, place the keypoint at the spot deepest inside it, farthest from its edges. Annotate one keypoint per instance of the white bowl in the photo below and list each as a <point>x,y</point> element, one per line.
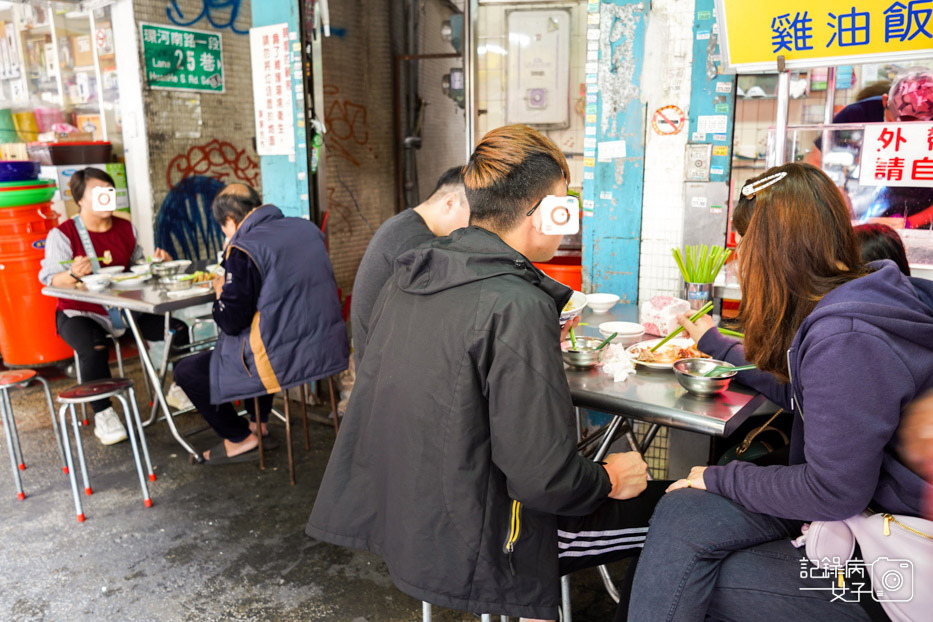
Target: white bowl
<point>96,282</point>
<point>601,303</point>
<point>630,333</point>
<point>573,308</point>
<point>111,270</point>
<point>140,268</point>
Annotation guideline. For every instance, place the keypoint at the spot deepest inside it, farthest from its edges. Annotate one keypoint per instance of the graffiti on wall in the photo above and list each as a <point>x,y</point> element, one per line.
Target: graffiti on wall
<point>219,13</point>
<point>347,126</point>
<point>217,159</point>
<point>184,225</point>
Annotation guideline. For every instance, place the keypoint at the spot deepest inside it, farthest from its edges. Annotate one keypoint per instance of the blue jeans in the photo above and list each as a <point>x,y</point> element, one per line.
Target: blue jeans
<point>707,556</point>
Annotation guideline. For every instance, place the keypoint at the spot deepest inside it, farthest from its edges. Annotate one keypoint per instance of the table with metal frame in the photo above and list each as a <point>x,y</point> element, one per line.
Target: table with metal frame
<point>149,298</point>
<point>654,397</point>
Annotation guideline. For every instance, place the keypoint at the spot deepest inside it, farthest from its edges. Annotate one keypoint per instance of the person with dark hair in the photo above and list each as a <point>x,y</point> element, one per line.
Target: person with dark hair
<point>878,241</point>
<point>81,246</point>
<point>444,211</point>
<point>457,461</point>
<point>844,347</point>
<point>279,318</point>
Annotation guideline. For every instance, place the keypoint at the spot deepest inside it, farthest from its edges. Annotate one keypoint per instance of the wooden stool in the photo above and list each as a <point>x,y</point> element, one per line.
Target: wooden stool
<point>304,410</point>
<point>20,378</point>
<point>91,392</point>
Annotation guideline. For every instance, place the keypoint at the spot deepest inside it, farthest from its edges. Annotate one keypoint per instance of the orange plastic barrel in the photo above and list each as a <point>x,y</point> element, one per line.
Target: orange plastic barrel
<point>27,318</point>
<point>566,270</point>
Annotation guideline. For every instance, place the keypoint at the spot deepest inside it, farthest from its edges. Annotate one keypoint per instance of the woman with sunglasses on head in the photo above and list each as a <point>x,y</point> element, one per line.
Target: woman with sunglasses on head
<point>845,347</point>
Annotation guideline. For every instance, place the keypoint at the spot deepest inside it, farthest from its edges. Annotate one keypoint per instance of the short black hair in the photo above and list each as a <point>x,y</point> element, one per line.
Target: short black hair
<point>78,182</point>
<point>877,241</point>
<point>235,201</point>
<point>511,168</point>
<point>448,179</point>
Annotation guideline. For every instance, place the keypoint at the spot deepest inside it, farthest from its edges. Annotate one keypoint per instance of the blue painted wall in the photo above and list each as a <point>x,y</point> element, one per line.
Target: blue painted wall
<point>612,190</point>
<point>711,93</point>
<point>285,179</point>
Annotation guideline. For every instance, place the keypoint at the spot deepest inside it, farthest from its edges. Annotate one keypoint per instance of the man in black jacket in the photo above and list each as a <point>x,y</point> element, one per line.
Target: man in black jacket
<point>457,462</point>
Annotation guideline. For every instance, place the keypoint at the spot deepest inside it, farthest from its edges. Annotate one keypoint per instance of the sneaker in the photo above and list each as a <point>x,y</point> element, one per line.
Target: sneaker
<point>177,399</point>
<point>107,427</point>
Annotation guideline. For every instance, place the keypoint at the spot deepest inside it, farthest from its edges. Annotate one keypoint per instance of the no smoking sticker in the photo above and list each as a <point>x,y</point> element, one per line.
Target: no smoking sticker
<point>668,120</point>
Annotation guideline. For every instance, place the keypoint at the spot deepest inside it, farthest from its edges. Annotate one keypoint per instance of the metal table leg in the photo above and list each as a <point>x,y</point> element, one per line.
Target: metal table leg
<point>168,337</point>
<point>157,390</point>
<point>607,440</point>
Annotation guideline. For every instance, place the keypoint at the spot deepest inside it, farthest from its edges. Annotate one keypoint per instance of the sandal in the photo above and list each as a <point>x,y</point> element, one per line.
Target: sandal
<point>219,455</point>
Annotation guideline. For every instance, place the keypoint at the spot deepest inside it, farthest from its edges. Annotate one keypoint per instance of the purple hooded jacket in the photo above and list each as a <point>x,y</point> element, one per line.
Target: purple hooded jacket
<point>864,353</point>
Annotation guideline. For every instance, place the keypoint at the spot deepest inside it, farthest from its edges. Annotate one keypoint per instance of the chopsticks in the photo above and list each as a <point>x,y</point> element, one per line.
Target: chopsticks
<point>71,261</point>
<point>732,333</point>
<point>703,311</point>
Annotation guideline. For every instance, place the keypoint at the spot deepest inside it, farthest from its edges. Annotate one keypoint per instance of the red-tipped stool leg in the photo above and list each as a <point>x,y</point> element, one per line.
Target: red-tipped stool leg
<point>68,459</point>
<point>131,432</point>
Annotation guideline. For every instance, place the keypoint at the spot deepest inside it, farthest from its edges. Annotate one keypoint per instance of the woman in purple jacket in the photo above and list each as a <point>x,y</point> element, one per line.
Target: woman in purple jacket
<point>842,345</point>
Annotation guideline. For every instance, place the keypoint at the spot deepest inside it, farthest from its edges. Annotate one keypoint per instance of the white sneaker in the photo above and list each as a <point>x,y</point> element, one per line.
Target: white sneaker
<point>177,399</point>
<point>107,427</point>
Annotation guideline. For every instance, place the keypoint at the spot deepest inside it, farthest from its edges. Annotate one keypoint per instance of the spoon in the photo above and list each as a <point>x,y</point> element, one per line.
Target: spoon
<point>719,369</point>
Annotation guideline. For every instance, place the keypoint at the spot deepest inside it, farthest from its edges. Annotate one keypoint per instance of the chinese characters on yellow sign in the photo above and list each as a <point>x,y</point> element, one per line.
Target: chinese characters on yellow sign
<point>811,34</point>
<point>897,154</point>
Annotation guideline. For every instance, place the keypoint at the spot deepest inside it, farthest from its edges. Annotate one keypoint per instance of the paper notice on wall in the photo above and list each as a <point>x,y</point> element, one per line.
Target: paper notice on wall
<point>712,123</point>
<point>273,100</point>
<point>610,150</point>
<point>698,202</point>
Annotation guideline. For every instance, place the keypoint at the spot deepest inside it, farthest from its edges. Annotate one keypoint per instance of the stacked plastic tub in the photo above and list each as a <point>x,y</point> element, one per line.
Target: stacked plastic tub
<point>27,318</point>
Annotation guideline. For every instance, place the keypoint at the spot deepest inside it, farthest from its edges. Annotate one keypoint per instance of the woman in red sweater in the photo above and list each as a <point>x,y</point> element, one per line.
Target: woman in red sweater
<point>87,327</point>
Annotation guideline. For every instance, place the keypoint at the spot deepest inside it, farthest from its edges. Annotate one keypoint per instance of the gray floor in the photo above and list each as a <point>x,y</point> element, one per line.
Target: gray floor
<point>219,543</point>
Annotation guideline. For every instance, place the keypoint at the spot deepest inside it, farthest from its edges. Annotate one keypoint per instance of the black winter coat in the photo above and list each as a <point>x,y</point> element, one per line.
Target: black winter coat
<point>457,452</point>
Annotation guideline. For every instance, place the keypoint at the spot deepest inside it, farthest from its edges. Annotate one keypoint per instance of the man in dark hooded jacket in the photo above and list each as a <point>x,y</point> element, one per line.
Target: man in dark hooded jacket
<point>457,462</point>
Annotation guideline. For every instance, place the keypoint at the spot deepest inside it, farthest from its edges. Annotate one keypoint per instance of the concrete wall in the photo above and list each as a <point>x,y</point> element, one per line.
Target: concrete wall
<point>358,113</point>
<point>201,133</point>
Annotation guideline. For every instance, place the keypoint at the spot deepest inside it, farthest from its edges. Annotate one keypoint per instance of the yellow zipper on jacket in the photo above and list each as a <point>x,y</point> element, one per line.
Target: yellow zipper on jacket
<point>515,528</point>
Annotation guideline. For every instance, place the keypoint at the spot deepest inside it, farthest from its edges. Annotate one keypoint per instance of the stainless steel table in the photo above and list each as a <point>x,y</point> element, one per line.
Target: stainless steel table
<point>651,396</point>
<point>146,299</point>
<point>655,396</point>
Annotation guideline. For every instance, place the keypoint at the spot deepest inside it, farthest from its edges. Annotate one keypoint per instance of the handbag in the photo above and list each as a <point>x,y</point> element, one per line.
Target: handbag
<point>753,448</point>
<point>897,559</point>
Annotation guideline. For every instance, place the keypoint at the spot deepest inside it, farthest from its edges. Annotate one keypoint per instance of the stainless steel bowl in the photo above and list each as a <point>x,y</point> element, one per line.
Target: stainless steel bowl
<point>690,372</point>
<point>585,355</point>
<point>170,268</point>
<point>175,283</point>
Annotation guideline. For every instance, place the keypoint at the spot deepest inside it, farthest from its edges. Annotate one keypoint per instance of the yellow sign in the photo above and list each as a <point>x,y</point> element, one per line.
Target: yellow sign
<point>819,34</point>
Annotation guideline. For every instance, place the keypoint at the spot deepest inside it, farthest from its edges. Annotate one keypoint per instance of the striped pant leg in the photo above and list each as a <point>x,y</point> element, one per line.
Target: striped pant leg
<point>614,531</point>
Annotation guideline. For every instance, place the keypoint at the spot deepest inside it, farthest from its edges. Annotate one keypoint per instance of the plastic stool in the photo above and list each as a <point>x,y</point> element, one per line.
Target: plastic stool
<point>20,378</point>
<point>90,392</point>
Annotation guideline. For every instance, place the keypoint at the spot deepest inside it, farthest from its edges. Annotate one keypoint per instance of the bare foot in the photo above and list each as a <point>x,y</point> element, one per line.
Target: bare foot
<point>265,428</point>
<point>235,449</point>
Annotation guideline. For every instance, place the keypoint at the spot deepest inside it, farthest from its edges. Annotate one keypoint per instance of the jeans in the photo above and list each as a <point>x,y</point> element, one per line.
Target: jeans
<point>193,375</point>
<point>707,556</point>
<point>91,342</point>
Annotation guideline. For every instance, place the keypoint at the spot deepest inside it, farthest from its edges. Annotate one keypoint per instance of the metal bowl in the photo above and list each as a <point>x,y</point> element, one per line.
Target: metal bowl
<point>170,268</point>
<point>175,283</point>
<point>690,372</point>
<point>585,355</point>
